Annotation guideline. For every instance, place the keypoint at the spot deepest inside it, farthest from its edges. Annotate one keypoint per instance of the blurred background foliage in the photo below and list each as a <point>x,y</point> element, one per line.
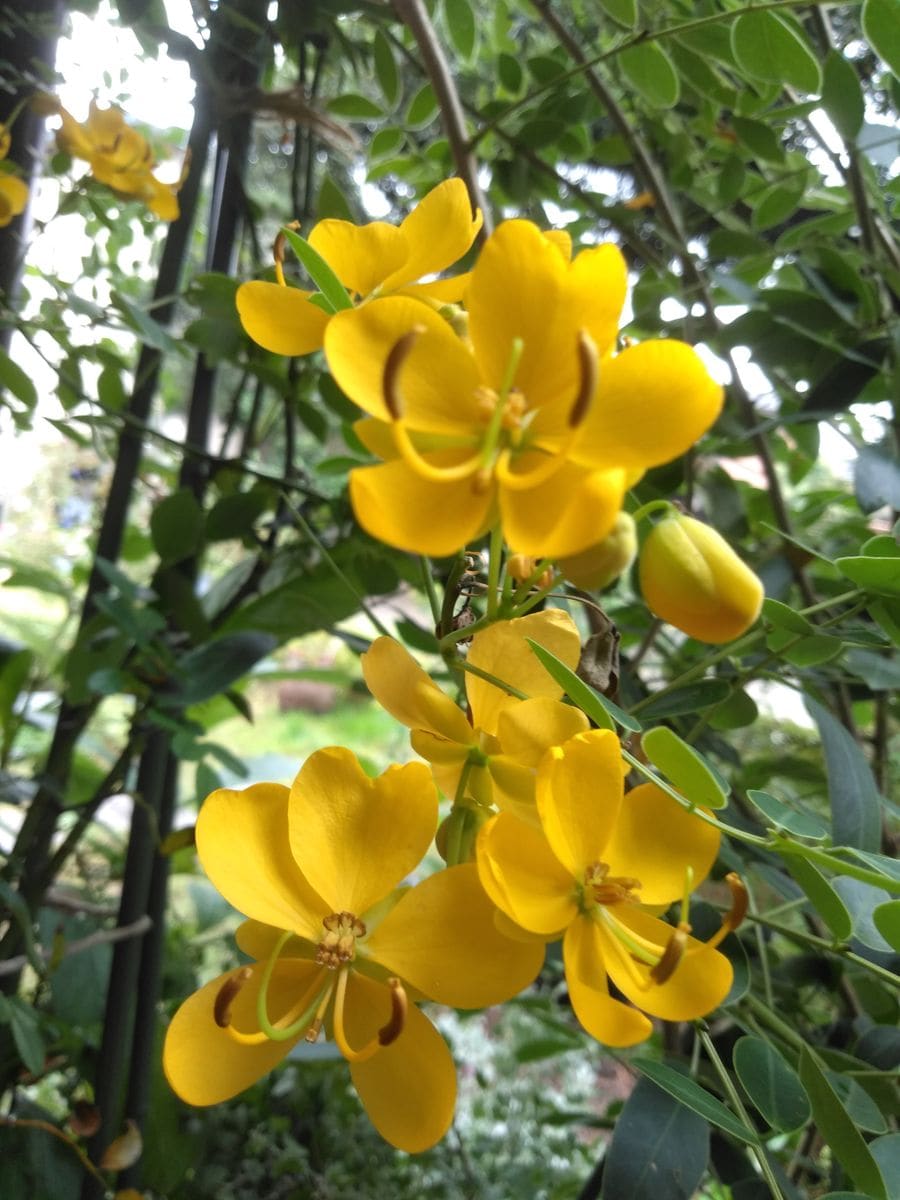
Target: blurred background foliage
<point>184,589</point>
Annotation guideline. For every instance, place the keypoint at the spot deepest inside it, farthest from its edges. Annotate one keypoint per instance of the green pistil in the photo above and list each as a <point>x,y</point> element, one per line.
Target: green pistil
<point>302,1023</point>
<point>495,428</point>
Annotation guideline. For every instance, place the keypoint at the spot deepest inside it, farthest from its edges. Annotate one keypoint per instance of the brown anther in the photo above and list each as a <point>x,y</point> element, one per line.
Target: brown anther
<point>589,376</point>
<point>671,956</point>
<point>610,889</point>
<point>739,902</point>
<point>399,1007</point>
<point>339,943</point>
<point>227,994</point>
<point>280,239</point>
<point>390,379</point>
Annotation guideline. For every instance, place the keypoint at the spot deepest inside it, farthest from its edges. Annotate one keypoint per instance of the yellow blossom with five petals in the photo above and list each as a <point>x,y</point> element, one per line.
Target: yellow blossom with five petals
<point>491,758</point>
<point>532,420</point>
<point>338,945</point>
<point>588,875</point>
<point>375,259</point>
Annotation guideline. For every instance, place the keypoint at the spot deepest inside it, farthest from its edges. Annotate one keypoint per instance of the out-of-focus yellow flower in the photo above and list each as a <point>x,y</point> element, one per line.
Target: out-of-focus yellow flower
<point>692,578</point>
<point>370,260</point>
<point>532,420</point>
<point>599,565</point>
<point>119,156</point>
<point>339,946</point>
<point>13,191</point>
<point>491,758</point>
<point>587,874</point>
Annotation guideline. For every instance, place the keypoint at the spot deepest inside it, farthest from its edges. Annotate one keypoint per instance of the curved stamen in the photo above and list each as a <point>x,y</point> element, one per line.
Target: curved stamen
<point>393,364</point>
<point>399,1008</point>
<point>385,1036</point>
<point>299,1016</point>
<point>520,481</point>
<point>423,467</point>
<point>642,948</point>
<point>732,919</point>
<point>672,955</point>
<point>227,994</point>
<point>589,377</point>
<point>278,251</point>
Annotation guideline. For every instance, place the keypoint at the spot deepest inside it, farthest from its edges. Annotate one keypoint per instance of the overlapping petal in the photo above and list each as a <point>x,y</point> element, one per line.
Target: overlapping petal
<point>530,728</point>
<point>503,651</point>
<point>608,1020</point>
<point>579,797</point>
<point>356,838</point>
<point>655,399</point>
<point>399,507</point>
<point>657,841</point>
<point>569,512</point>
<point>408,693</point>
<point>242,840</point>
<point>202,1063</point>
<point>280,319</point>
<point>360,255</point>
<point>409,1087</point>
<point>437,233</point>
<point>523,877</point>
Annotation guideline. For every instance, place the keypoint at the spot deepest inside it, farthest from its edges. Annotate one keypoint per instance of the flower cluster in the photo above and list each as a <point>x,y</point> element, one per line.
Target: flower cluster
<point>13,190</point>
<point>118,155</point>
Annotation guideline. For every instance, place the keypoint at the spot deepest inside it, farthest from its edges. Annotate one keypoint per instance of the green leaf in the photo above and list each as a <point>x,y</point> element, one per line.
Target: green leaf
<point>625,12</point>
<point>234,516</point>
<point>355,107</point>
<point>14,671</point>
<point>881,25</point>
<point>15,379</point>
<point>211,669</point>
<point>737,711</point>
<point>876,479</point>
<point>771,1083</point>
<point>691,774</point>
<point>860,1106</point>
<point>881,674</point>
<point>886,1152</point>
<point>855,807</point>
<point>842,96</point>
<point>777,202</point>
<point>423,108</point>
<point>695,1097</point>
<point>176,526</point>
<point>806,651</point>
<point>839,1131</point>
<point>110,390</point>
<point>148,330</point>
<point>877,574</point>
<point>782,616</point>
<point>23,1022</point>
<point>822,896</point>
<point>461,26</point>
<point>576,689</point>
<point>509,72</point>
<point>649,69</point>
<point>760,139</point>
<point>886,919</point>
<point>767,47</point>
<point>862,899</point>
<point>659,1149</point>
<point>386,69</point>
<point>692,697</point>
<point>780,815</point>
<point>319,272</point>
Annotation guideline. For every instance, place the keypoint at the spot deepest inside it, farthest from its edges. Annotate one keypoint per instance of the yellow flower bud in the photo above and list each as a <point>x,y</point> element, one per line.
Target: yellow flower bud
<point>599,565</point>
<point>692,578</point>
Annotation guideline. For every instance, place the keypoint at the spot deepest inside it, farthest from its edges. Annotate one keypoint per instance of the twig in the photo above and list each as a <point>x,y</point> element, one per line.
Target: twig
<point>101,937</point>
<point>30,1123</point>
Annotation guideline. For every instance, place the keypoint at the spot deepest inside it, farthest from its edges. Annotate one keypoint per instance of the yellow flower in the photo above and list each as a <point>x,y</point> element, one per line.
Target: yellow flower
<point>13,191</point>
<point>599,859</point>
<point>493,757</point>
<point>692,578</point>
<point>535,420</point>
<point>338,946</point>
<point>119,156</point>
<point>369,260</point>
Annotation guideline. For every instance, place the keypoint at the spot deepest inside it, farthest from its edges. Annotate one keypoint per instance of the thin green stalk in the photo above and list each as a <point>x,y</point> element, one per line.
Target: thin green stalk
<point>493,584</point>
<point>830,859</point>
<point>461,664</point>
<point>775,1023</point>
<point>731,1091</point>
<point>430,592</point>
<point>536,597</point>
<point>819,943</point>
<point>762,948</point>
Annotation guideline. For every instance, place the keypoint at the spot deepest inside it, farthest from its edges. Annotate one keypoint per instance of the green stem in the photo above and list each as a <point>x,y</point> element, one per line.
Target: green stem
<point>731,1091</point>
<point>493,583</point>
<point>274,1032</point>
<point>461,664</point>
<point>819,943</point>
<point>428,582</point>
<point>830,859</point>
<point>651,507</point>
<point>536,597</point>
<point>775,1023</point>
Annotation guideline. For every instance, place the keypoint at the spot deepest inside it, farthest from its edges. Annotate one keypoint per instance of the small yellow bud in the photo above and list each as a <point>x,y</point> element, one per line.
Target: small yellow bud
<point>599,565</point>
<point>692,578</point>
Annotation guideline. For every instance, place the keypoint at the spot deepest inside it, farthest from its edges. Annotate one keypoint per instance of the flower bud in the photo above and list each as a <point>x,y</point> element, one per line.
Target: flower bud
<point>599,565</point>
<point>692,578</point>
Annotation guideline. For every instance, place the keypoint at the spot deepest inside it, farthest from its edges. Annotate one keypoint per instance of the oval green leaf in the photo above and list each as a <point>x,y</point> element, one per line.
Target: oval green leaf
<point>842,96</point>
<point>886,919</point>
<point>855,807</point>
<point>461,26</point>
<point>881,25</point>
<point>771,1083</point>
<point>649,70</point>
<point>176,526</point>
<point>386,69</point>
<point>822,896</point>
<point>800,824</point>
<point>687,699</point>
<point>770,48</point>
<point>691,774</point>
<point>696,1098</point>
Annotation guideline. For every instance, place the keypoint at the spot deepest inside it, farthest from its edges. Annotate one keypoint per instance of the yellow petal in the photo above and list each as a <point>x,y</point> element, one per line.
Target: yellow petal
<point>356,838</point>
<point>409,1087</point>
<point>561,240</point>
<point>442,937</point>
<point>654,401</point>
<point>512,788</point>
<point>522,876</point>
<point>377,436</point>
<point>502,650</point>
<point>579,795</point>
<point>446,759</point>
<point>609,1021</point>
<point>528,729</point>
<point>280,319</point>
<point>258,941</point>
<point>655,840</point>
<point>700,982</point>
<point>437,380</point>
<point>400,685</point>
<point>13,198</point>
<point>439,291</point>
<point>202,1063</point>
<point>437,233</point>
<point>361,256</point>
<point>597,284</point>
<point>242,840</point>
<point>569,512</point>
<point>399,507</point>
